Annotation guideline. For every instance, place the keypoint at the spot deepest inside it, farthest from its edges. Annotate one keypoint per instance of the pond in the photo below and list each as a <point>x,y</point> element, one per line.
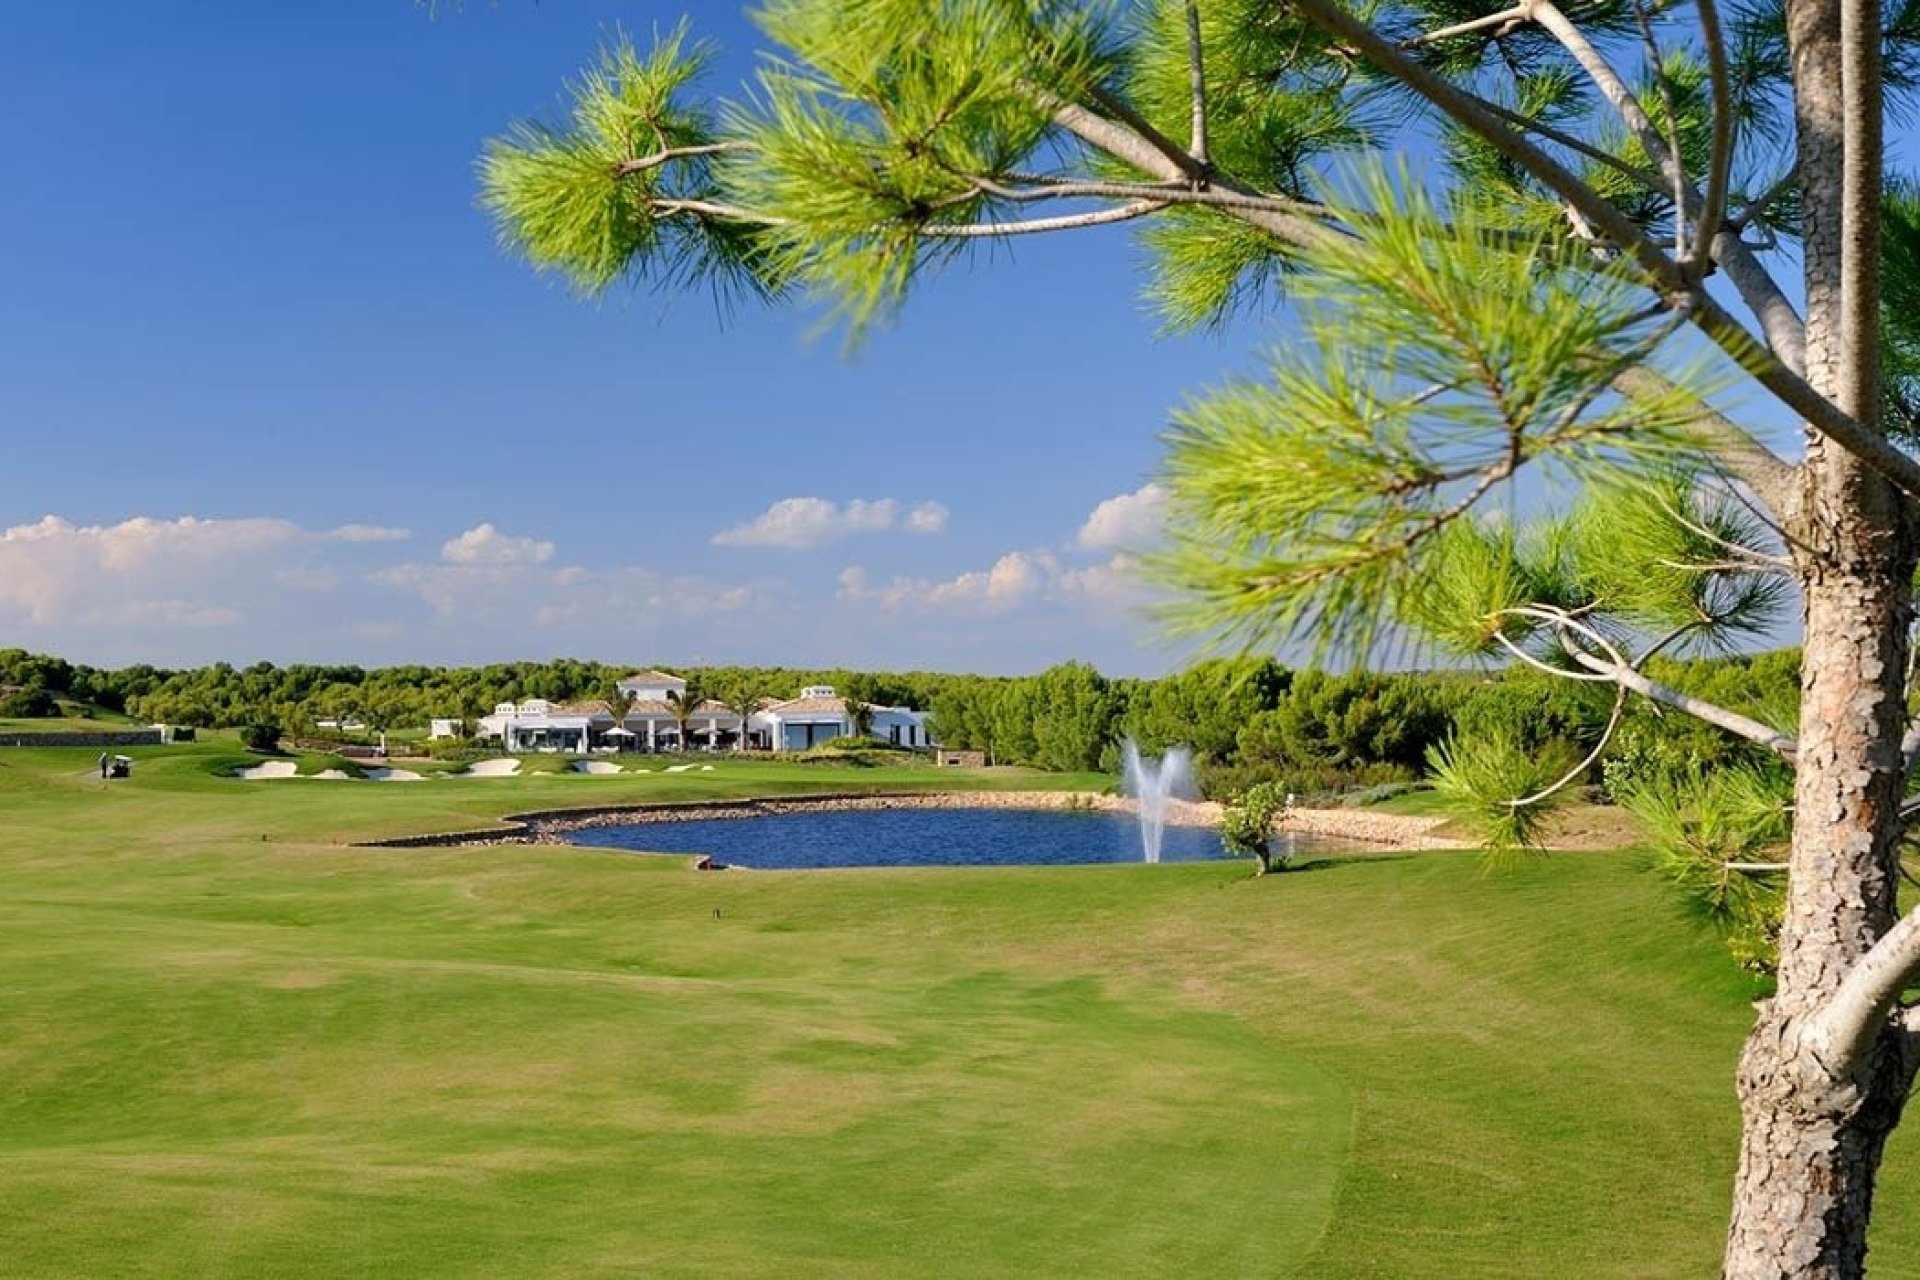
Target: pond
<point>910,838</point>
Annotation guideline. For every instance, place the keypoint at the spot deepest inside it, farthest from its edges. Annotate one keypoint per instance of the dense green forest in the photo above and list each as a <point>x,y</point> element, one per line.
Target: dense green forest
<point>1248,720</point>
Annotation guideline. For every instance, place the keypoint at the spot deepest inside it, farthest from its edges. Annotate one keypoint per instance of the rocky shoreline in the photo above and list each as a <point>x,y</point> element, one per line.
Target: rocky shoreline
<point>1389,830</point>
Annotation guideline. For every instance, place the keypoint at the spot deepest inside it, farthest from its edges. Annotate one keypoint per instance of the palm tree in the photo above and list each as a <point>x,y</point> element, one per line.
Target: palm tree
<point>684,703</point>
<point>743,701</point>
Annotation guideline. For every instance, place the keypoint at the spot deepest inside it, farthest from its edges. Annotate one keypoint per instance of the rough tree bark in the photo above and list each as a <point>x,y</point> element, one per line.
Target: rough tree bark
<point>1813,1133</point>
<point>1815,1121</point>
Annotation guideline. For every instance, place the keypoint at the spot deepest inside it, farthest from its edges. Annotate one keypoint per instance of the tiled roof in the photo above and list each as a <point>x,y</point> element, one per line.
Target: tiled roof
<point>811,706</point>
<point>657,707</point>
<point>594,707</point>
<point>652,677</point>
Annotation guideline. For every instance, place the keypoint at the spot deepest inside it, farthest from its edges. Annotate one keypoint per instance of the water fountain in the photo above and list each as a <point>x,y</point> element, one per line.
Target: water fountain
<point>1153,783</point>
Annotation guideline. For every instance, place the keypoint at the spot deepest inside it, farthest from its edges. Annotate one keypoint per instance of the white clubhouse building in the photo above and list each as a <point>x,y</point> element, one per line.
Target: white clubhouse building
<point>652,722</point>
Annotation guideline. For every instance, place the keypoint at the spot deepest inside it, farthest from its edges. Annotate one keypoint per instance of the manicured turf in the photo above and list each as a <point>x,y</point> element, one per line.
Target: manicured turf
<point>231,1045</point>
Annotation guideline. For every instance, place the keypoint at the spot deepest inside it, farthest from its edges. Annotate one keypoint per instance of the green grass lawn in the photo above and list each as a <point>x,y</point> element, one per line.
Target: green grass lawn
<point>232,1045</point>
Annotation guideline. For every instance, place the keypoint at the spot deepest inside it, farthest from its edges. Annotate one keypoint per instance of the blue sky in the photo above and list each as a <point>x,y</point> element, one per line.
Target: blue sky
<point>246,285</point>
<point>270,389</point>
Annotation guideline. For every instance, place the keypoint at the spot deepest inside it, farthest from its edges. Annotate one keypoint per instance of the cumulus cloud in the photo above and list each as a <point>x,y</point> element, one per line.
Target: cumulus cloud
<point>55,571</point>
<point>187,590</point>
<point>484,544</point>
<point>800,523</point>
<point>1016,579</point>
<point>192,590</point>
<point>1131,520</point>
<point>368,533</point>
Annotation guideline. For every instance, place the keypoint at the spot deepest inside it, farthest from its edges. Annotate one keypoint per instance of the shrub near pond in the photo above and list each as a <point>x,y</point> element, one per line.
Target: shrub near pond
<point>1246,825</point>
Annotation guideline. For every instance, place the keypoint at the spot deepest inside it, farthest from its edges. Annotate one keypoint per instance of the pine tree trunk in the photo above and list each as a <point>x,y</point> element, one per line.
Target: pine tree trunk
<point>1809,1150</point>
<point>1813,1132</point>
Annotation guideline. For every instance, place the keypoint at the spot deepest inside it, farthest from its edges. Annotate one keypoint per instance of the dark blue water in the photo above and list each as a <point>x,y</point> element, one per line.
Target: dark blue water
<point>910,838</point>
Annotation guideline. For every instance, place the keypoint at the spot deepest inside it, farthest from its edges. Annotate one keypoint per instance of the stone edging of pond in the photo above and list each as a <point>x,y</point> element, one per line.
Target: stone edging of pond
<point>551,826</point>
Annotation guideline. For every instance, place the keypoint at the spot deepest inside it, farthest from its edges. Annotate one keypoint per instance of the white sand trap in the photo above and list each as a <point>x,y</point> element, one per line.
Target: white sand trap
<point>493,768</point>
<point>706,768</point>
<point>638,769</point>
<point>334,775</point>
<point>391,775</point>
<point>677,768</point>
<point>595,766</point>
<point>269,769</point>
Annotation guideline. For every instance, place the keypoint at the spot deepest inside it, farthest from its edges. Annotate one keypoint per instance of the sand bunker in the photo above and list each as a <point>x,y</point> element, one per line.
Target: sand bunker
<point>502,768</point>
<point>334,775</point>
<point>706,768</point>
<point>676,768</point>
<point>595,766</point>
<point>268,769</point>
<point>391,775</point>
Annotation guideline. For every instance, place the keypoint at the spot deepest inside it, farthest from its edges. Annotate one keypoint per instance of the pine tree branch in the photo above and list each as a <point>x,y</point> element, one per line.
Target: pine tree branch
<point>1769,476</point>
<point>1842,1032</point>
<point>1676,166</point>
<point>1720,717</point>
<point>717,210</point>
<point>1720,149</point>
<point>1035,226</point>
<point>1771,370</point>
<point>1532,124</point>
<point>1124,144</point>
<point>1144,129</point>
<point>1618,669</point>
<point>1579,770</point>
<point>1757,207</point>
<point>1666,641</point>
<point>641,164</point>
<point>1785,330</point>
<point>1506,20</point>
<point>1197,79</point>
<point>1863,180</point>
<point>1164,192</point>
<point>1334,18</point>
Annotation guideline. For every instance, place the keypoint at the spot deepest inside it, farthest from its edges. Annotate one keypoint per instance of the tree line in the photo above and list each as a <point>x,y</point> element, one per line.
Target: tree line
<point>1248,721</point>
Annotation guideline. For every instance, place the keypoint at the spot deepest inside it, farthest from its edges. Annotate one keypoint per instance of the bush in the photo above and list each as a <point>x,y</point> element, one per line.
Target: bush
<point>851,742</point>
<point>1312,784</point>
<point>1246,824</point>
<point>260,737</point>
<point>28,704</point>
<point>1375,794</point>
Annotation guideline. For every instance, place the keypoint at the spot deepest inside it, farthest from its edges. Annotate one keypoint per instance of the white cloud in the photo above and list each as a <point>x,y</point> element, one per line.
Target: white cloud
<point>799,523</point>
<point>1129,521</point>
<point>927,517</point>
<point>368,533</point>
<point>484,544</point>
<point>54,571</point>
<point>1016,579</point>
<point>191,590</point>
